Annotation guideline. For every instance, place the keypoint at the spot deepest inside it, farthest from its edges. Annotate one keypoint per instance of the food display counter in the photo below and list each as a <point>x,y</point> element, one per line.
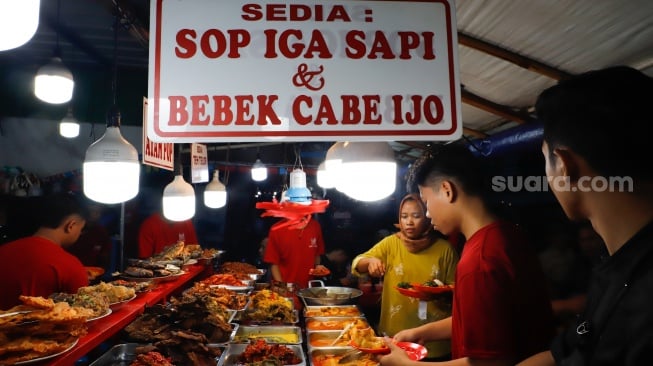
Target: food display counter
<point>122,314</point>
<point>308,334</point>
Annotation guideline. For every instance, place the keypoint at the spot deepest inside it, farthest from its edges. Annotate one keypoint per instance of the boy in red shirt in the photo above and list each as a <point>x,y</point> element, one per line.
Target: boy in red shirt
<point>38,265</point>
<point>501,310</point>
<point>293,251</point>
<point>156,233</point>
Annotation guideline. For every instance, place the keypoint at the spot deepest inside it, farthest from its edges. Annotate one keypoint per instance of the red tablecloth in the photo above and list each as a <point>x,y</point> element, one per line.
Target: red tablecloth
<point>123,314</point>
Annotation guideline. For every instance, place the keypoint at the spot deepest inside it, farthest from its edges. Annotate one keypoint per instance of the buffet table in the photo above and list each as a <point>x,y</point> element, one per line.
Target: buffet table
<point>122,314</point>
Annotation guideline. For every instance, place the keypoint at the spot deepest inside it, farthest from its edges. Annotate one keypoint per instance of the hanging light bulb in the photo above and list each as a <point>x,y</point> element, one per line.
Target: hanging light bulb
<point>259,171</point>
<point>324,178</point>
<point>368,171</point>
<point>215,193</point>
<point>69,127</point>
<point>111,168</point>
<point>19,20</point>
<point>53,82</point>
<point>178,200</point>
<point>333,161</point>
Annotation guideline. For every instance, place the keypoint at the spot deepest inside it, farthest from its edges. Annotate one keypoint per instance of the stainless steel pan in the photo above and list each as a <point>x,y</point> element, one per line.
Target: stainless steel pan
<point>328,295</point>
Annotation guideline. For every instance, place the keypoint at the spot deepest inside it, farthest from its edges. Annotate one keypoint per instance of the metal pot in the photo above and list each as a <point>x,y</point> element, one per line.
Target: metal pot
<point>328,295</point>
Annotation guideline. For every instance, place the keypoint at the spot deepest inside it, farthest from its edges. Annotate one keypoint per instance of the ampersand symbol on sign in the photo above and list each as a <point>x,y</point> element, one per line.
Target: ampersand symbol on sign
<point>303,77</point>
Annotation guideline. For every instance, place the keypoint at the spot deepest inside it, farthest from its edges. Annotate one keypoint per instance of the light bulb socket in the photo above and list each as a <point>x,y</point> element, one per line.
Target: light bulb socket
<point>113,118</point>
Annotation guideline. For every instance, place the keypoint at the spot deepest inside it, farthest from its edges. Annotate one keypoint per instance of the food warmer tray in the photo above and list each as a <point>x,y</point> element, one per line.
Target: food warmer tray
<point>323,339</point>
<point>336,354</point>
<point>234,331</point>
<point>332,310</point>
<point>241,317</point>
<point>125,353</point>
<point>270,333</point>
<point>330,323</point>
<point>235,349</point>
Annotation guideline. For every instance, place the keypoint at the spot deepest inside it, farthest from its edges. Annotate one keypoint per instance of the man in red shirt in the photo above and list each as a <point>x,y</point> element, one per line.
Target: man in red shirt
<point>157,232</point>
<point>293,251</point>
<point>501,310</point>
<point>38,265</point>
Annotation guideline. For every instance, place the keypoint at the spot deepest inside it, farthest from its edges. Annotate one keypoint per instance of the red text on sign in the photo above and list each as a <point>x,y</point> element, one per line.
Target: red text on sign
<point>355,110</point>
<point>221,110</point>
<point>430,109</point>
<point>213,43</point>
<point>158,150</point>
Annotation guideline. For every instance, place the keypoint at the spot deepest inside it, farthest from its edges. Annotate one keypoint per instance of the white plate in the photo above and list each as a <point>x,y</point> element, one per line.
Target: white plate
<point>234,288</point>
<point>107,313</point>
<point>123,301</point>
<point>34,360</point>
<point>190,262</point>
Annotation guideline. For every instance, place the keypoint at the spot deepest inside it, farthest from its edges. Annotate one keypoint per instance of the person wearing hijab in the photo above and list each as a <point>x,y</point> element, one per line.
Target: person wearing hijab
<point>415,254</point>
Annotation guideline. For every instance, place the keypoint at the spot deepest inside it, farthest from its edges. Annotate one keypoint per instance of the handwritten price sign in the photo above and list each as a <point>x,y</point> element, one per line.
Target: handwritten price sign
<point>309,70</point>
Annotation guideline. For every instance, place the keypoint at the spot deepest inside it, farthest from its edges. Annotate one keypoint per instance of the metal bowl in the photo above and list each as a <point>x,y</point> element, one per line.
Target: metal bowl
<point>329,295</point>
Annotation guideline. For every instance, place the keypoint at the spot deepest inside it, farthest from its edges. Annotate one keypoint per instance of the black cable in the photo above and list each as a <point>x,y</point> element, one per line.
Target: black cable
<point>114,81</point>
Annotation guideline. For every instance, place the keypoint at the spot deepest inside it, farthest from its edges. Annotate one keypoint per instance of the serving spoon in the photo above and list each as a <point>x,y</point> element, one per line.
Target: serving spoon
<point>342,333</point>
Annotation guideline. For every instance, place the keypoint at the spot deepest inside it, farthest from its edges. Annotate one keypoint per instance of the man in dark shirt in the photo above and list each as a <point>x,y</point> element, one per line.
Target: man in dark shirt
<point>593,147</point>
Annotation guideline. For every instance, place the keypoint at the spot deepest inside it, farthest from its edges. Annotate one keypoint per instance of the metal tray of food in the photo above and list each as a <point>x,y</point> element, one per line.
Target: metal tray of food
<point>332,310</point>
<point>120,354</point>
<point>231,314</point>
<point>124,354</point>
<point>234,350</point>
<point>324,339</point>
<point>331,356</point>
<point>323,323</point>
<point>270,333</point>
<point>249,299</point>
<point>257,276</point>
<point>242,318</point>
<point>234,331</point>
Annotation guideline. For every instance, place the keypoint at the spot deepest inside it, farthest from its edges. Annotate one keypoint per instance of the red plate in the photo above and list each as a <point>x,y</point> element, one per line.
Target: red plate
<point>412,292</point>
<point>94,272</point>
<point>321,273</point>
<point>433,289</point>
<point>414,351</point>
<point>384,350</point>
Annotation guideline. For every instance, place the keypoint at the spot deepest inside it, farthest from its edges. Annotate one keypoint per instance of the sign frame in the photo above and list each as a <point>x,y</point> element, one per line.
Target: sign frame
<point>439,111</point>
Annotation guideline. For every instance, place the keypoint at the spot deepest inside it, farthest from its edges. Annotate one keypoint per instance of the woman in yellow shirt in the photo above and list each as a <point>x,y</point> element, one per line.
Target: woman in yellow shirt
<point>415,254</point>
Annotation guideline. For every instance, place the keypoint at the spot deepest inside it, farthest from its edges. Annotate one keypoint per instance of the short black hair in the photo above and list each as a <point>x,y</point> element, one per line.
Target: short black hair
<point>452,161</point>
<point>55,208</point>
<point>601,116</point>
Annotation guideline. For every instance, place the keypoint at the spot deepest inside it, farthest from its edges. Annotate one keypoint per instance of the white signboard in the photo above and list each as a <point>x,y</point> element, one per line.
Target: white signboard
<point>158,154</point>
<point>303,70</point>
<point>199,163</point>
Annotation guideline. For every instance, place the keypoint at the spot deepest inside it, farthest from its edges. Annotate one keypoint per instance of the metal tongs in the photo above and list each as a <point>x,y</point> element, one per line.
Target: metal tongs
<point>350,356</point>
<point>15,313</point>
<point>342,333</point>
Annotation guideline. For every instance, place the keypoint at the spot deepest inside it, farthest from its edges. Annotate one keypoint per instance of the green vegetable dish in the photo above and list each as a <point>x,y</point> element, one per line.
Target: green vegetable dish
<point>404,285</point>
<point>433,283</point>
